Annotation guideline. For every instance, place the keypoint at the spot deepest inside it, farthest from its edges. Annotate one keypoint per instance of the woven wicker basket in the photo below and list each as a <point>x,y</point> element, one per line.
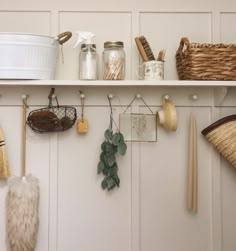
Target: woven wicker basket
<point>222,134</point>
<point>196,61</point>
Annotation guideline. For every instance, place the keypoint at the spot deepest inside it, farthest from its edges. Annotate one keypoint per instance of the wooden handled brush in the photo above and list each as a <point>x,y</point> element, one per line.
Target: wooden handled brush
<point>141,49</point>
<point>147,48</point>
<point>144,48</point>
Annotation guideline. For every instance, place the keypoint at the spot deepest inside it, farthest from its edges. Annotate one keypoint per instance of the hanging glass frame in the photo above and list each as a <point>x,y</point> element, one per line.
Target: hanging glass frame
<point>138,127</point>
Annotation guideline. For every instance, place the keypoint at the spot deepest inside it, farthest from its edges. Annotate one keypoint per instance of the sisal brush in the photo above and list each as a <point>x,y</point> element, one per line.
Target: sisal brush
<point>147,48</point>
<point>4,165</point>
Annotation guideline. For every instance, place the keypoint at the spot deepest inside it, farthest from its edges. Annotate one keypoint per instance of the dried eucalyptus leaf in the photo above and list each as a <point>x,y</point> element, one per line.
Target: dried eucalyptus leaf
<point>109,148</point>
<point>108,134</point>
<point>107,164</point>
<point>121,137</point>
<point>122,147</point>
<point>117,180</point>
<point>104,184</point>
<point>113,170</point>
<point>116,139</point>
<point>105,171</point>
<point>102,156</point>
<point>110,183</point>
<point>111,160</point>
<point>114,148</point>
<point>105,161</point>
<point>103,145</point>
<point>101,166</point>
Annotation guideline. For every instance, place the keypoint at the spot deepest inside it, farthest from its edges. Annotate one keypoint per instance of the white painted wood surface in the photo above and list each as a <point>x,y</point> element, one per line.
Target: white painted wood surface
<point>148,211</point>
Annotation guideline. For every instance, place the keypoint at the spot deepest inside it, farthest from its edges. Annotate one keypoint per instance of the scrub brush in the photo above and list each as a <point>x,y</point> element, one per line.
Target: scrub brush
<point>147,48</point>
<point>141,49</point>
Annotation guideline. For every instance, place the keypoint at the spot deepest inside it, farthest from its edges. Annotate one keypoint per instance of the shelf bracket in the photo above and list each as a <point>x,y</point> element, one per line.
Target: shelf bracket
<point>220,94</point>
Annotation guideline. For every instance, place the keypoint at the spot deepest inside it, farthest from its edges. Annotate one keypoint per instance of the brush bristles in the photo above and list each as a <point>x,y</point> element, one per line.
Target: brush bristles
<point>147,48</point>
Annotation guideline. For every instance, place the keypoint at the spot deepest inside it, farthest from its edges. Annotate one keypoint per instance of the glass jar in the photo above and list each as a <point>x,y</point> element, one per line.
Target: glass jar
<point>113,60</point>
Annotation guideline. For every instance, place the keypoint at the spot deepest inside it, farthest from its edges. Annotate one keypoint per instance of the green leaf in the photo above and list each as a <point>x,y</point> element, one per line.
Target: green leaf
<point>109,148</point>
<point>108,134</point>
<point>103,145</point>
<point>104,184</point>
<point>105,160</point>
<point>110,183</point>
<point>113,170</point>
<point>121,137</point>
<point>102,156</point>
<point>105,171</point>
<point>117,180</point>
<point>122,147</point>
<point>116,139</point>
<point>101,166</point>
<point>114,148</point>
<point>111,160</point>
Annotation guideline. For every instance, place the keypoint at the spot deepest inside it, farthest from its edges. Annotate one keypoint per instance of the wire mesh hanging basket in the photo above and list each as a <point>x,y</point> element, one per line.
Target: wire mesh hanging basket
<point>53,118</point>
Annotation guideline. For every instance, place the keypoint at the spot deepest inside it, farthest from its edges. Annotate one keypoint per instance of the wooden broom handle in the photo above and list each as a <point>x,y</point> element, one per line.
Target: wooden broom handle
<point>24,136</point>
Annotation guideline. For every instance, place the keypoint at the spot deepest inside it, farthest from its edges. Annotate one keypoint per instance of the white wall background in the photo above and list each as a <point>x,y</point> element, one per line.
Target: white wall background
<point>148,212</point>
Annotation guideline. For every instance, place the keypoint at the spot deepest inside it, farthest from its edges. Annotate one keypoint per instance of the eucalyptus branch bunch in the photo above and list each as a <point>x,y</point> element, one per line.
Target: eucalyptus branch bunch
<point>113,143</point>
<point>107,165</point>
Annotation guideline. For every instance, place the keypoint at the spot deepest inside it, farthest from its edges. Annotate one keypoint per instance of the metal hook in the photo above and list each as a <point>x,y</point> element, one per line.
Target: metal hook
<point>193,97</point>
<point>82,95</point>
<point>24,98</point>
<point>166,97</point>
<point>51,93</point>
<point>138,96</point>
<point>110,96</point>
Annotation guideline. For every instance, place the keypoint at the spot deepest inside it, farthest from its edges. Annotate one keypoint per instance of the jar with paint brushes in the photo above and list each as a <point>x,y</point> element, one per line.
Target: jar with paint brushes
<point>113,60</point>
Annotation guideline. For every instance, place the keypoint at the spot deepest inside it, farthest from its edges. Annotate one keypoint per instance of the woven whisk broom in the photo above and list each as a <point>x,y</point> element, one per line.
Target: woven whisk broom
<point>222,134</point>
<point>5,171</point>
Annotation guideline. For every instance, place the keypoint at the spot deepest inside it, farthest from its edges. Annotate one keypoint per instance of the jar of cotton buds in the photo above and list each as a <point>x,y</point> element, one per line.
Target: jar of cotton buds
<point>113,60</point>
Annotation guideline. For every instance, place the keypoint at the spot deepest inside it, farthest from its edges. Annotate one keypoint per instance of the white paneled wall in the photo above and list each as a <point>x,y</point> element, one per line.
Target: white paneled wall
<point>26,21</point>
<point>169,28</point>
<point>163,185</point>
<point>148,212</point>
<point>99,21</point>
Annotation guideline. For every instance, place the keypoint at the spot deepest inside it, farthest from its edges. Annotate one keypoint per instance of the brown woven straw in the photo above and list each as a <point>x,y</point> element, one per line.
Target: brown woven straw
<point>195,61</point>
<point>222,134</point>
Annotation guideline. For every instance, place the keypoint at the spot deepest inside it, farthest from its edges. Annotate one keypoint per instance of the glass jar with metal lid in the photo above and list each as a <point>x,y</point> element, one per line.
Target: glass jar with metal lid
<point>113,60</point>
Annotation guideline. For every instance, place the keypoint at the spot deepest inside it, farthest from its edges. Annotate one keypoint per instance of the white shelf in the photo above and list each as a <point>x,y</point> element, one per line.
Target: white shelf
<point>171,83</point>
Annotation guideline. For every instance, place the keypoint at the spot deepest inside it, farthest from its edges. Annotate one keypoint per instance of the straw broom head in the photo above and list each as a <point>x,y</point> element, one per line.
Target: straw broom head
<point>4,165</point>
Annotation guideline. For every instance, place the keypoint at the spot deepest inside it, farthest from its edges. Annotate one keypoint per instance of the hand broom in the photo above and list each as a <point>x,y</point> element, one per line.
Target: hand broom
<point>5,171</point>
<point>22,204</point>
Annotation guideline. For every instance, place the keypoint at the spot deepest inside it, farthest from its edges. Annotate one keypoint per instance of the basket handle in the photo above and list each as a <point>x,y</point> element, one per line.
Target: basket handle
<point>52,95</point>
<point>64,37</point>
<point>218,123</point>
<point>183,42</point>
